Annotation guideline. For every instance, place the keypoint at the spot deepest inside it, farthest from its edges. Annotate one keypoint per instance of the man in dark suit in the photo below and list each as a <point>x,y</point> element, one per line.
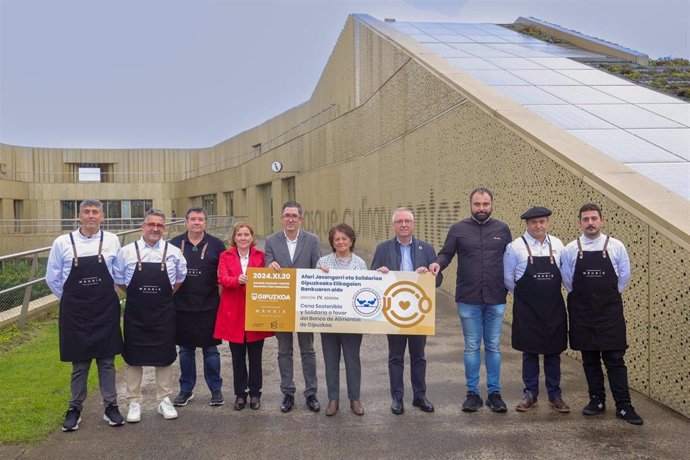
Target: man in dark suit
<point>294,248</point>
<point>406,253</point>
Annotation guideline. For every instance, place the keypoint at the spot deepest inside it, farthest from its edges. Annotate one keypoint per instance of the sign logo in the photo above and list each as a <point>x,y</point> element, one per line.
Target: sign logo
<point>405,304</point>
<point>366,302</point>
<point>148,289</point>
<point>92,281</point>
<point>194,272</point>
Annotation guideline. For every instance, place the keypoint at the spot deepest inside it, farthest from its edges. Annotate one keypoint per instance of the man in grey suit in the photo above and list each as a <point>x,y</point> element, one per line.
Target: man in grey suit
<point>406,253</point>
<point>294,248</point>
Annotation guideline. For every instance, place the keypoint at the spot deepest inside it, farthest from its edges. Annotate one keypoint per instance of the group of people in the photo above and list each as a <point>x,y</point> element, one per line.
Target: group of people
<point>189,293</point>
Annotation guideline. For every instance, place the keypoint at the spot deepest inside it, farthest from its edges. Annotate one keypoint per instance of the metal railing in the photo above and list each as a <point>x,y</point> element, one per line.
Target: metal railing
<point>23,275</point>
<point>56,226</point>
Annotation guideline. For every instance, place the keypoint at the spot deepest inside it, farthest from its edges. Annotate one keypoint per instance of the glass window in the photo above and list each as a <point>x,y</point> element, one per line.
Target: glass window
<point>68,214</point>
<point>209,204</point>
<point>229,205</point>
<point>89,173</point>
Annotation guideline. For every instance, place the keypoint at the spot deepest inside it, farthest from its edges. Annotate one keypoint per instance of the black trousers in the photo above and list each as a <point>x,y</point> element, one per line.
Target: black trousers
<point>616,370</point>
<point>396,364</point>
<point>241,378</point>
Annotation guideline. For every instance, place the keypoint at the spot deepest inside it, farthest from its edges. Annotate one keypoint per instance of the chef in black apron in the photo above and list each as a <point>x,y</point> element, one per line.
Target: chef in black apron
<point>79,274</point>
<point>532,273</point>
<point>596,269</point>
<point>150,270</point>
<point>196,307</point>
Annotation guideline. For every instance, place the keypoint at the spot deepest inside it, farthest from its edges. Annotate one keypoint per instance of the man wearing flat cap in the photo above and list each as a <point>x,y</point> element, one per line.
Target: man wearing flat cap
<point>532,273</point>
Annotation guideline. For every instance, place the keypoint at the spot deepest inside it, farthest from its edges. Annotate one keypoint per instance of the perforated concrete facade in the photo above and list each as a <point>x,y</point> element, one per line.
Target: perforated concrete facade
<point>391,124</point>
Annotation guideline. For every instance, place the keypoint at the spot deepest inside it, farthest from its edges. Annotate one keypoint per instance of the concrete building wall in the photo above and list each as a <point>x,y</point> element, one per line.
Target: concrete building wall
<point>391,124</point>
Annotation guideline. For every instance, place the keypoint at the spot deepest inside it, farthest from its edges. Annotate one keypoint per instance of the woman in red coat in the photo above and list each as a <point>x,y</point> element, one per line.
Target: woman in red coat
<point>232,275</point>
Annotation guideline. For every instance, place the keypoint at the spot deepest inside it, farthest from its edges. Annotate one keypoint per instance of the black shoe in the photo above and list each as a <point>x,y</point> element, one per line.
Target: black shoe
<point>397,406</point>
<point>313,403</point>
<point>473,402</point>
<point>288,402</point>
<point>423,403</point>
<point>495,402</point>
<point>241,401</point>
<point>183,398</point>
<point>112,415</point>
<point>596,406</point>
<point>627,413</point>
<point>217,398</point>
<point>255,402</point>
<point>72,419</point>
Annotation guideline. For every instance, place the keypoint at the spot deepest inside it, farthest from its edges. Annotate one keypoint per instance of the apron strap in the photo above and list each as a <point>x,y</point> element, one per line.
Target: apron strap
<point>529,251</point>
<point>606,243</point>
<point>579,249</point>
<point>182,247</point>
<point>136,247</point>
<point>100,249</point>
<point>75,261</point>
<point>203,250</point>
<point>550,251</point>
<point>165,253</point>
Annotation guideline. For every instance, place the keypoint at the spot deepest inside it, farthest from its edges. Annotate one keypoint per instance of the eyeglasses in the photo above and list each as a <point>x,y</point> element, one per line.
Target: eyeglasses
<point>403,221</point>
<point>291,216</point>
<point>152,225</point>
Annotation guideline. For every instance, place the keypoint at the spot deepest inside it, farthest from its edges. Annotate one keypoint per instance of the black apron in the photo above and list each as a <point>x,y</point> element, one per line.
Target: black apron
<point>196,301</point>
<point>150,315</point>
<point>539,320</point>
<point>89,310</point>
<point>595,306</point>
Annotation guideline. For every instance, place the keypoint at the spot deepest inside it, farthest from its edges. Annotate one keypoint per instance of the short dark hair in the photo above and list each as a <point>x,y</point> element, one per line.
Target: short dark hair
<point>482,190</point>
<point>198,209</point>
<point>154,212</point>
<point>292,204</point>
<point>342,228</point>
<point>589,207</point>
<point>236,228</point>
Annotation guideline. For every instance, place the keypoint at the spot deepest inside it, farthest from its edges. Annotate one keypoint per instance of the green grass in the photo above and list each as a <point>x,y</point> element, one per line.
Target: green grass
<point>34,383</point>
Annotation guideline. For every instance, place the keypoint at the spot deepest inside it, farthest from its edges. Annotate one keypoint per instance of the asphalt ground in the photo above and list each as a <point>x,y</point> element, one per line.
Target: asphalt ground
<point>202,431</point>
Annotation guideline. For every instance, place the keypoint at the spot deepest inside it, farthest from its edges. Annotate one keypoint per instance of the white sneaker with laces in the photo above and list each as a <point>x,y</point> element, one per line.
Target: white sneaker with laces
<point>166,409</point>
<point>134,413</point>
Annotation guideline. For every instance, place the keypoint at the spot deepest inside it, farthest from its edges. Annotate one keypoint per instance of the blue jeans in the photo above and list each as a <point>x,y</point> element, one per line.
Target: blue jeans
<point>211,368</point>
<point>482,321</point>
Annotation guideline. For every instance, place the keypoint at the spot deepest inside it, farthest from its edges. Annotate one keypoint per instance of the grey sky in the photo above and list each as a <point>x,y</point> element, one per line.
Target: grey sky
<point>158,73</point>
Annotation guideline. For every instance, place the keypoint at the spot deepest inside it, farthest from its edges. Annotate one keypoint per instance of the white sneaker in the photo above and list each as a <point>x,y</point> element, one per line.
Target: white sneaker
<point>134,413</point>
<point>166,409</point>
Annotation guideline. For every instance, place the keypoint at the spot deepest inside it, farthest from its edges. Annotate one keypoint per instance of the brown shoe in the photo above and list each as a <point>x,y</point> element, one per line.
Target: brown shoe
<point>356,407</point>
<point>559,405</point>
<point>332,407</point>
<point>527,403</point>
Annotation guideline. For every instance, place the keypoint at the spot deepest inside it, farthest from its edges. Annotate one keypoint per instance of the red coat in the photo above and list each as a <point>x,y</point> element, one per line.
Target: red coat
<point>230,319</point>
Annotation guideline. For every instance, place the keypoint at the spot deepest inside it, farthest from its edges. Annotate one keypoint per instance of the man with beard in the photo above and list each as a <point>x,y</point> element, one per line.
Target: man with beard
<point>596,269</point>
<point>79,273</point>
<point>196,306</point>
<point>479,242</point>
<point>150,270</point>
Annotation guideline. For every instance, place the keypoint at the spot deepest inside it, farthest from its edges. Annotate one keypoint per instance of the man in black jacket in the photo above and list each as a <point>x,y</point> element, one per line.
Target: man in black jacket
<point>406,253</point>
<point>479,242</point>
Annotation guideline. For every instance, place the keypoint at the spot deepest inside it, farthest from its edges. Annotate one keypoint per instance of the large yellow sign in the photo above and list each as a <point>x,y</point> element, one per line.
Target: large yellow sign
<point>366,302</point>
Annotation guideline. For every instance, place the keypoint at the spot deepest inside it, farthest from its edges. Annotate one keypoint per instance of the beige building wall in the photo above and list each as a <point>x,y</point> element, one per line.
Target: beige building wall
<point>391,124</point>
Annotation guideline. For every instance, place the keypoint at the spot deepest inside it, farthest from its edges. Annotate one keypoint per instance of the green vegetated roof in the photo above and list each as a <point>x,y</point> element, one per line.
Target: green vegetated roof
<point>668,74</point>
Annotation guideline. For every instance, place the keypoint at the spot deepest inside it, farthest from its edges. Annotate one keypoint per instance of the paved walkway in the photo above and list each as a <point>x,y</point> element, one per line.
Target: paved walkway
<point>202,431</point>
